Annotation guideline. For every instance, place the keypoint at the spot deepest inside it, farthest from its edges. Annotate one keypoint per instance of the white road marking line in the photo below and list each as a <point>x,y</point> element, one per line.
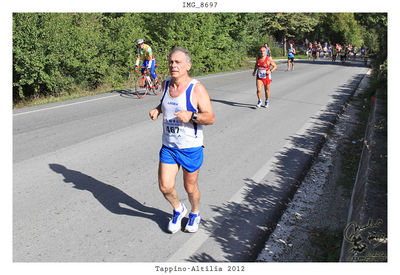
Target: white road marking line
<point>64,105</point>
<point>106,97</point>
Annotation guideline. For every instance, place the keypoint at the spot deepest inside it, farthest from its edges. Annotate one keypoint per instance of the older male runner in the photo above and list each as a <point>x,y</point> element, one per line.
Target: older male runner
<point>186,107</point>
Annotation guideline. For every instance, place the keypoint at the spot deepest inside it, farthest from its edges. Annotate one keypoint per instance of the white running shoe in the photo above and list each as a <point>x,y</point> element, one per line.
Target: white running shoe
<point>266,104</point>
<point>258,104</point>
<point>193,224</point>
<point>174,224</point>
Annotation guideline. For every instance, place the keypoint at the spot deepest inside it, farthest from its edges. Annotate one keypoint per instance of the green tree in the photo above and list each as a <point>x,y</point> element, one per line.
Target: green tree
<point>340,28</point>
<point>375,32</point>
<point>289,25</point>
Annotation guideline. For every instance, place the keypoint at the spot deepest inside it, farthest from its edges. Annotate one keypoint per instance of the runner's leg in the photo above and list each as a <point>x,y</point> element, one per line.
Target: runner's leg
<point>266,87</point>
<point>259,88</point>
<point>166,181</point>
<point>191,187</point>
<point>144,65</point>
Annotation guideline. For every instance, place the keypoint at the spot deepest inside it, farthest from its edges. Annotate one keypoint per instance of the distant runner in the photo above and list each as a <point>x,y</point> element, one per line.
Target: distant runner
<point>264,70</point>
<point>291,53</point>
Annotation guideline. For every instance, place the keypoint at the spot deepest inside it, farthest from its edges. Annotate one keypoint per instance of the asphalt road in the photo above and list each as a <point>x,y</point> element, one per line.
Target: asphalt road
<point>85,171</point>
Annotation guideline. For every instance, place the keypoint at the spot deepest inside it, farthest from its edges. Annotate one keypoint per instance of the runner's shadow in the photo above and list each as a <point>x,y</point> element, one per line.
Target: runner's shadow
<point>235,104</point>
<point>111,197</point>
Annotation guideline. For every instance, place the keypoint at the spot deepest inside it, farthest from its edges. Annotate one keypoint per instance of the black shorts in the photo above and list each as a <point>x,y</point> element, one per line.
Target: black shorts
<point>291,59</point>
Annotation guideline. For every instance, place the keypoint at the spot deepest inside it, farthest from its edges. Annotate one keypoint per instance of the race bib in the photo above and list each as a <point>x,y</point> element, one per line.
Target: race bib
<point>262,74</point>
<point>173,126</point>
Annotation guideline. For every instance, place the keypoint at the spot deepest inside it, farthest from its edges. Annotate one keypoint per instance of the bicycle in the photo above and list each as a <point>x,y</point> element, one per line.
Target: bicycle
<point>144,83</point>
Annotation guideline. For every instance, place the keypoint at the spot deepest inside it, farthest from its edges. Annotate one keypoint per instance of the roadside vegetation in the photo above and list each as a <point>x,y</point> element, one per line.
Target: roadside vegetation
<point>59,56</point>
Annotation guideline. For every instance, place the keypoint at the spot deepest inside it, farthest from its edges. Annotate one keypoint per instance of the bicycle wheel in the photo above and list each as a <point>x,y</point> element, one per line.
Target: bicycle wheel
<point>157,83</point>
<point>141,86</point>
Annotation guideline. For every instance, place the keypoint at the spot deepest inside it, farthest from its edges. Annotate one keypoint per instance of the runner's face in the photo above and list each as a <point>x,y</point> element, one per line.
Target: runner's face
<point>178,64</point>
<point>263,52</point>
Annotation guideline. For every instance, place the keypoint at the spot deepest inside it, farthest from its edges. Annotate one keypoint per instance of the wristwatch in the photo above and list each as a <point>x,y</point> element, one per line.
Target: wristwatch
<point>194,117</point>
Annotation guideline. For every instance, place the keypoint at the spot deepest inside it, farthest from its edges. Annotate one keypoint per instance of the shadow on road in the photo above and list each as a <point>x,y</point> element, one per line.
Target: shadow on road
<point>111,197</point>
<point>241,229</point>
<point>127,93</point>
<point>327,61</point>
<point>130,93</point>
<point>237,228</point>
<point>235,104</point>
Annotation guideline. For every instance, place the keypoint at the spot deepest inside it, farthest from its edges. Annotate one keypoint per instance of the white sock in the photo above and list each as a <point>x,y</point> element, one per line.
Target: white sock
<point>180,208</point>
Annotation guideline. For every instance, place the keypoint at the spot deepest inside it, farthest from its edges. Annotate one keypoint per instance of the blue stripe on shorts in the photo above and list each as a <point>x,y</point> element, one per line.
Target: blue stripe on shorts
<point>190,158</point>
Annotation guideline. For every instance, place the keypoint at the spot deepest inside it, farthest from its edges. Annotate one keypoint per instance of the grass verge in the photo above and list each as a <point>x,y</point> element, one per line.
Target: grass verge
<point>79,93</point>
<point>326,245</point>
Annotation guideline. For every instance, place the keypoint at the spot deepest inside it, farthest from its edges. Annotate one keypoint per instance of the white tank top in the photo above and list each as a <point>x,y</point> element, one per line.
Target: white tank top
<point>175,133</point>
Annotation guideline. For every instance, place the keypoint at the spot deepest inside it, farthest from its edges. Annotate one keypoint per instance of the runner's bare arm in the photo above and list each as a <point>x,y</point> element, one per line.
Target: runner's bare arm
<point>202,101</point>
<point>273,64</point>
<point>154,113</point>
<point>255,69</point>
<point>206,112</point>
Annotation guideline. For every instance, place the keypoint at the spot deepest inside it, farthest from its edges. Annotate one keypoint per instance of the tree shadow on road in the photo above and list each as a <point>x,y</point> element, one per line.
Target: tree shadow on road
<point>326,61</point>
<point>111,197</point>
<point>237,227</point>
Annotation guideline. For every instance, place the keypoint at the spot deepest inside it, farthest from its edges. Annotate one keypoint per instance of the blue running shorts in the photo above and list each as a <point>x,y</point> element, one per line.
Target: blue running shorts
<point>191,158</point>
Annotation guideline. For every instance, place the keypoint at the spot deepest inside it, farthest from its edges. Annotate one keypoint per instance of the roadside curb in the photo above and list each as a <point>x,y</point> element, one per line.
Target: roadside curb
<point>300,174</point>
<point>356,245</point>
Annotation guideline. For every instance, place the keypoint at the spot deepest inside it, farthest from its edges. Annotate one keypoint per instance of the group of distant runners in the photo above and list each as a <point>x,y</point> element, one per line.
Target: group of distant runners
<point>344,52</point>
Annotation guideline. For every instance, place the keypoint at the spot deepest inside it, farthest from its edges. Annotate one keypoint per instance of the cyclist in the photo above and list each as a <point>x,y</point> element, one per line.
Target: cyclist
<point>264,70</point>
<point>291,53</point>
<point>149,61</point>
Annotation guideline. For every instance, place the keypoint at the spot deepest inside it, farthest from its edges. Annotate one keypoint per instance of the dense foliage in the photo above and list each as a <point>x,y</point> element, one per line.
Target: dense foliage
<point>54,53</point>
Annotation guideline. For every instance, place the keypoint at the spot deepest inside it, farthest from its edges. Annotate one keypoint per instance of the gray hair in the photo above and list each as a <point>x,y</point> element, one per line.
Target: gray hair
<point>180,49</point>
